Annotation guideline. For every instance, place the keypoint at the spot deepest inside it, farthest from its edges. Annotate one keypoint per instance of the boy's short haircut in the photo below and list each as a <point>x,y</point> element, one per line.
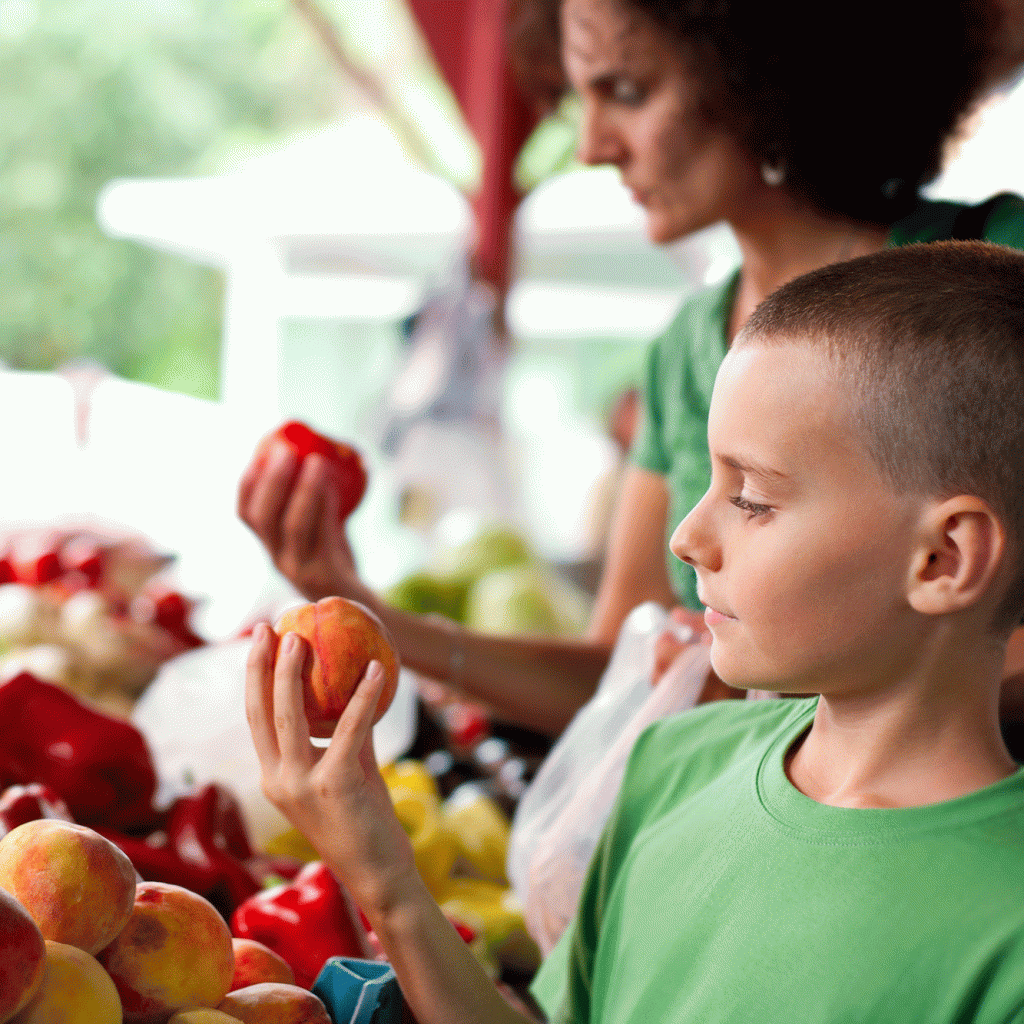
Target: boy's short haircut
<point>930,340</point>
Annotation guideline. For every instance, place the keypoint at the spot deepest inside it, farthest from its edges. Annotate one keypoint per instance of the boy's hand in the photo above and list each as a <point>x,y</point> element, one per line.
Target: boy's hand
<point>336,796</point>
<point>292,508</point>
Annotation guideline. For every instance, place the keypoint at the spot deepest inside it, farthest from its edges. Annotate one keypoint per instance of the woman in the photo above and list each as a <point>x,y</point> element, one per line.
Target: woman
<point>809,129</point>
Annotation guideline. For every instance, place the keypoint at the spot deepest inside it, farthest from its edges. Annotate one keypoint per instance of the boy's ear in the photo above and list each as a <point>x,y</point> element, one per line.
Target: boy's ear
<point>960,554</point>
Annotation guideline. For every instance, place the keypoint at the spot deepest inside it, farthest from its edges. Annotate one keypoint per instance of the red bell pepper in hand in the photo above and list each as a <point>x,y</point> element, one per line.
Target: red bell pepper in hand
<point>305,921</point>
<point>99,765</point>
<point>19,804</point>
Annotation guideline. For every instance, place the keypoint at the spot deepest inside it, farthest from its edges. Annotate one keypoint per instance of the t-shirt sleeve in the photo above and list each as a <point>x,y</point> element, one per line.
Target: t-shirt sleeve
<point>648,451</point>
<point>1005,224</point>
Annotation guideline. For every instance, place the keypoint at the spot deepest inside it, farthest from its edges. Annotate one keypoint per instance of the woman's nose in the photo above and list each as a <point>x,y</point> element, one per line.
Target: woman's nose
<point>597,142</point>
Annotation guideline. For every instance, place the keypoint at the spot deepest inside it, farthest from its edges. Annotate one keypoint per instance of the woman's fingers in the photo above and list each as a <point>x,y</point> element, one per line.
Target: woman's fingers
<point>259,695</point>
<point>268,495</point>
<point>302,517</point>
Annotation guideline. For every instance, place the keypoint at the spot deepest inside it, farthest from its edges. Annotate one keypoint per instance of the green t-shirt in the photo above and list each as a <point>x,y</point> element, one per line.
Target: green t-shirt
<point>719,892</point>
<point>682,363</point>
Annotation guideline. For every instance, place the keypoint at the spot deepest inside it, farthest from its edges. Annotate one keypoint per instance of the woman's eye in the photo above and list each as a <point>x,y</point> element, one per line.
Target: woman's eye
<point>626,91</point>
<point>752,508</point>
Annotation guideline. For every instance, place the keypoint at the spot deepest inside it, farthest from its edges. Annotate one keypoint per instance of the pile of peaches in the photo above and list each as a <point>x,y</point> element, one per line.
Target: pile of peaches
<point>84,941</point>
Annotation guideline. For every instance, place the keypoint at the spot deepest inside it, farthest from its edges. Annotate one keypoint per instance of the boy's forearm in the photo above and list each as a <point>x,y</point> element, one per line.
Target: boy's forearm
<point>441,979</point>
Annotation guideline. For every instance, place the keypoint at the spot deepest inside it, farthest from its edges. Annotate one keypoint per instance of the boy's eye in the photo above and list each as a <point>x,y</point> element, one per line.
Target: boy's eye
<point>752,508</point>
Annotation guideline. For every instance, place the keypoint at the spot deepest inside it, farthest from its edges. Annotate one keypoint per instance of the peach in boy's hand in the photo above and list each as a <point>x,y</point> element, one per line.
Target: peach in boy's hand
<point>344,637</point>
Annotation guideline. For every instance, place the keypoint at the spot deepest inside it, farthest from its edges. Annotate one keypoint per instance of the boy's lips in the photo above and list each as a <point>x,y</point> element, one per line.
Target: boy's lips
<point>713,618</point>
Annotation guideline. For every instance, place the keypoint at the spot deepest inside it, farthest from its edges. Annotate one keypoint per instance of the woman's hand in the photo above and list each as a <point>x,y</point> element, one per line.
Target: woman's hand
<point>335,796</point>
<point>293,508</point>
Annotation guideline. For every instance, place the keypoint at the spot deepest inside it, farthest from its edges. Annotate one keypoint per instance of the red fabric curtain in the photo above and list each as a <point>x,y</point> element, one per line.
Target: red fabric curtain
<point>469,40</point>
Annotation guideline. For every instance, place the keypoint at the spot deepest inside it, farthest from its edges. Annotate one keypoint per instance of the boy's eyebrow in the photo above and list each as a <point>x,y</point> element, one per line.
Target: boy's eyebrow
<point>750,468</point>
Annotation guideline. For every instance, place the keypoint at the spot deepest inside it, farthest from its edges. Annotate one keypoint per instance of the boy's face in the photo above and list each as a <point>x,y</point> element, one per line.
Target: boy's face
<point>802,550</point>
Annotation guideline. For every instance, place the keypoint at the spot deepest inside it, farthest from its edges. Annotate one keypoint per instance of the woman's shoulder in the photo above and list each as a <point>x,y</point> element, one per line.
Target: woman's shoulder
<point>698,329</point>
<point>1000,218</point>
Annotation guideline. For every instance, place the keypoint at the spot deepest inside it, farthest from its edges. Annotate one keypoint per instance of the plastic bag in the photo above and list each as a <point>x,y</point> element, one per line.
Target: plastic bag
<point>562,814</point>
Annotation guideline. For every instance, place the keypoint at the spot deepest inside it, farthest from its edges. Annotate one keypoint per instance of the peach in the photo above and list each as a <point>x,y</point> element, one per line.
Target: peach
<point>77,885</point>
<point>24,956</point>
<point>75,990</point>
<point>275,1003</point>
<point>202,1015</point>
<point>255,962</point>
<point>175,952</point>
<point>345,637</point>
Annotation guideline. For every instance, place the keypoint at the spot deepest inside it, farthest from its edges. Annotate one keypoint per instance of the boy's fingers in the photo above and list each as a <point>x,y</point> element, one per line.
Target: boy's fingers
<point>290,723</point>
<point>259,694</point>
<point>355,727</point>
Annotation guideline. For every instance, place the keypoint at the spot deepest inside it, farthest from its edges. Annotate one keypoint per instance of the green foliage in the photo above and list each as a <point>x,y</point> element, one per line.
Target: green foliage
<point>96,91</point>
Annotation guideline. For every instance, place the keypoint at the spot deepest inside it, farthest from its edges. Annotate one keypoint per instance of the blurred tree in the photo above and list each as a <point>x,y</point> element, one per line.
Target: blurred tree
<point>98,90</point>
<point>102,89</point>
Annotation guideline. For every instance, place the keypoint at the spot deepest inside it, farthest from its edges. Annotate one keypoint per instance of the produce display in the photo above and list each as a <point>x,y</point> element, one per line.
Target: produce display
<point>121,901</point>
<point>85,943</point>
<point>344,637</point>
<point>90,612</point>
<point>495,583</point>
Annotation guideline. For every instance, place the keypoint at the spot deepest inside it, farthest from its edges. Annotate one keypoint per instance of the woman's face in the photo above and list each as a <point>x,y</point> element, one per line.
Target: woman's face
<point>640,112</point>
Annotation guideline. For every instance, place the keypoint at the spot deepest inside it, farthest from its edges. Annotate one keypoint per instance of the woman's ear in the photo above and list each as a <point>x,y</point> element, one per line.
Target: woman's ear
<point>958,560</point>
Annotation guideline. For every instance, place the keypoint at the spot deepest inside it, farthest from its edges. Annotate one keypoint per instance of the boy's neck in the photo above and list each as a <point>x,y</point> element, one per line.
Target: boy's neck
<point>933,736</point>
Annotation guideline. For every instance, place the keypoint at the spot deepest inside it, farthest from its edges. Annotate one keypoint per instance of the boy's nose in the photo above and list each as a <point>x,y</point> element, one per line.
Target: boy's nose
<point>693,540</point>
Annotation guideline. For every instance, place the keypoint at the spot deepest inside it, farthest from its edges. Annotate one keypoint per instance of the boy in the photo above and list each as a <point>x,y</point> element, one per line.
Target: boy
<point>853,856</point>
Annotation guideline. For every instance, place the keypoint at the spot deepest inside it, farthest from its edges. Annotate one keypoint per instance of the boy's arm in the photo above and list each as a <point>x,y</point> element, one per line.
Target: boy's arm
<point>338,800</point>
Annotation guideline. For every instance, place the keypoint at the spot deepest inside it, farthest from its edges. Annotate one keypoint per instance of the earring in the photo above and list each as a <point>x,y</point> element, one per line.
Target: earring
<point>773,172</point>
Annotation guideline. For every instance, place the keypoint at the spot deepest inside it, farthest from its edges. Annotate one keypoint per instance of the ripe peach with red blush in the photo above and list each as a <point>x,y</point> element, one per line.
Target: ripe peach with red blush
<point>255,963</point>
<point>77,885</point>
<point>273,1003</point>
<point>175,952</point>
<point>24,956</point>
<point>344,637</point>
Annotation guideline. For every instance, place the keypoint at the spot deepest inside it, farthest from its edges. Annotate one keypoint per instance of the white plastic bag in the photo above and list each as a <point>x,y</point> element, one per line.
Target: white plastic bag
<point>560,817</point>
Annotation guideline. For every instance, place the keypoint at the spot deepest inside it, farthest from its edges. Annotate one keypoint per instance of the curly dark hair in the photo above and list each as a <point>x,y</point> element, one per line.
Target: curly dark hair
<point>855,100</point>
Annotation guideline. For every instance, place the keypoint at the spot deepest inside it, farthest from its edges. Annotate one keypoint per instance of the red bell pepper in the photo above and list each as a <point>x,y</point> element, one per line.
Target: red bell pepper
<point>202,844</point>
<point>19,804</point>
<point>305,921</point>
<point>99,765</point>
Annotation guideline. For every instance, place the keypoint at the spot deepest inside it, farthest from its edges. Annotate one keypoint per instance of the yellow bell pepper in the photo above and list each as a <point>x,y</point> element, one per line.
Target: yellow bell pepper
<point>481,831</point>
<point>432,844</point>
